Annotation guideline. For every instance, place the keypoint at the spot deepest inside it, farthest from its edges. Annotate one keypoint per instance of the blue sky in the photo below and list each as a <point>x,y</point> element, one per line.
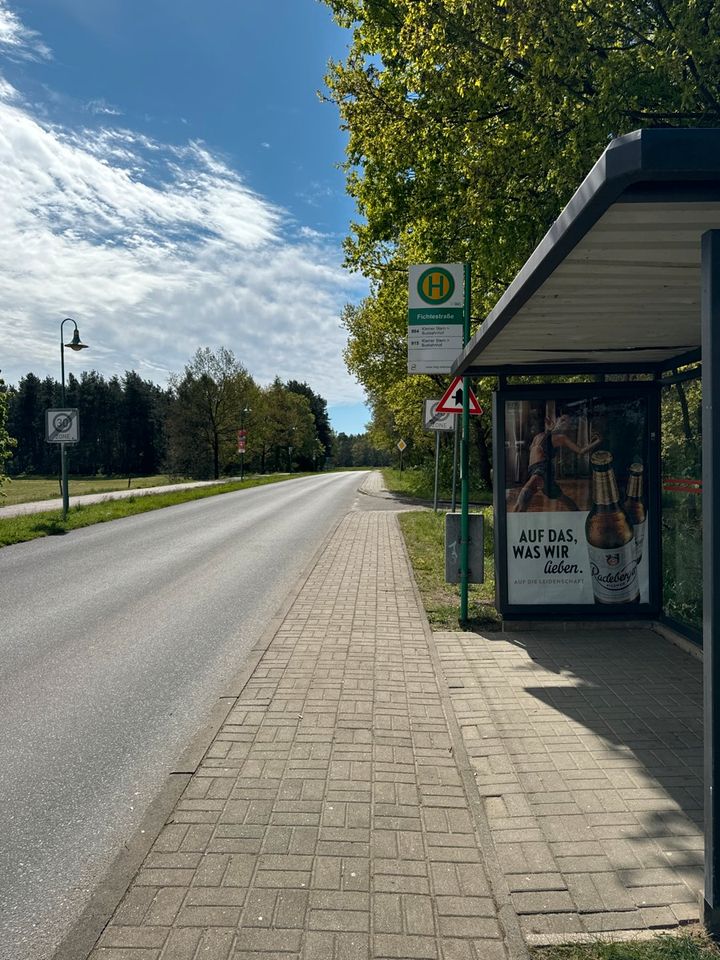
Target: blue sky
<point>169,179</point>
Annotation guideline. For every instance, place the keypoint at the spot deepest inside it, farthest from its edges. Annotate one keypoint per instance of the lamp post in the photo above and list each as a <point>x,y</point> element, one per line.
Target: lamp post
<point>244,438</point>
<point>291,447</point>
<point>75,344</point>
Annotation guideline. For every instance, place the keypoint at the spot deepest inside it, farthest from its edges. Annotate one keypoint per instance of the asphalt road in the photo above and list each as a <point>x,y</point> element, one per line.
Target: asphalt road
<point>115,641</point>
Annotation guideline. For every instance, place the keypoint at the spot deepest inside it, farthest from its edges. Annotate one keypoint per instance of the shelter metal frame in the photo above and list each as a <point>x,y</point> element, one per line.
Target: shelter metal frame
<point>627,280</point>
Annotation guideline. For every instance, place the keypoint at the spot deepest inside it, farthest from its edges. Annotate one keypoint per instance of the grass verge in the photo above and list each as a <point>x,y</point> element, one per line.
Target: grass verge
<point>31,489</point>
<point>691,946</point>
<point>424,534</point>
<point>34,525</point>
<point>419,483</point>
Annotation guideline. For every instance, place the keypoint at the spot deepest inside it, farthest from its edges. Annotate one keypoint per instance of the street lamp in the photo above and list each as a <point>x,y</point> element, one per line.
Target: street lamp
<point>290,447</point>
<point>75,344</point>
<point>244,438</point>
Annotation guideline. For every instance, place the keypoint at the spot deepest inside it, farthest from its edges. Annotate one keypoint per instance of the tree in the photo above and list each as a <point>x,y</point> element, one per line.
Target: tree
<point>101,433</point>
<point>323,430</point>
<point>357,450</point>
<point>471,123</point>
<point>25,420</point>
<point>205,415</point>
<point>377,355</point>
<point>7,442</point>
<point>144,447</point>
<point>284,428</point>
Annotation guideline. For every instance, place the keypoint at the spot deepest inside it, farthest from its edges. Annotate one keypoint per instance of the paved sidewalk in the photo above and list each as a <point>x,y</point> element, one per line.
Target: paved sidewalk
<point>587,747</point>
<point>42,506</point>
<point>379,792</point>
<point>333,817</point>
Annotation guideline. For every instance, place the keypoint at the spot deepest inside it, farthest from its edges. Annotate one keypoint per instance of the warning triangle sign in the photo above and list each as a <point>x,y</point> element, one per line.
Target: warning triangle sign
<point>452,399</point>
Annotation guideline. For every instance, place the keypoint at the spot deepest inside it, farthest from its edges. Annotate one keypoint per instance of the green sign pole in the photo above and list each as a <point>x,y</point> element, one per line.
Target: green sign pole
<point>464,466</point>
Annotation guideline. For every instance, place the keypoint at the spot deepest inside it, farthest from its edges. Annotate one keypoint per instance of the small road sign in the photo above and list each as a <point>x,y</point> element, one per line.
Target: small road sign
<point>401,445</point>
<point>62,426</point>
<point>452,399</point>
<point>433,420</point>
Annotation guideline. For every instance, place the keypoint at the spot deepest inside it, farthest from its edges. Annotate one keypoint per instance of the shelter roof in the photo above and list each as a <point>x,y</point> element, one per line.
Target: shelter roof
<point>615,282</point>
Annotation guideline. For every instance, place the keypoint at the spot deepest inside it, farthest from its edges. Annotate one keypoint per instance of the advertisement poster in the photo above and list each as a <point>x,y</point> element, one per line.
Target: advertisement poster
<point>576,500</point>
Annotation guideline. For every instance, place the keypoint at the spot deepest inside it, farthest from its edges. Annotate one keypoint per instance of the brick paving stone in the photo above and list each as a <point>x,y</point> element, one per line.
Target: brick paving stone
<point>329,817</point>
<point>575,739</point>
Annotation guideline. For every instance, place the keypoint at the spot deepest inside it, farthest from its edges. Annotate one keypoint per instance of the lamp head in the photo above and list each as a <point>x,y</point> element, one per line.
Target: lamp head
<point>76,343</point>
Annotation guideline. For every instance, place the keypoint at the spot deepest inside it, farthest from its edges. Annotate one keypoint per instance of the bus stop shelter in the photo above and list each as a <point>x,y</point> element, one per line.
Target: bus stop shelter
<point>626,281</point>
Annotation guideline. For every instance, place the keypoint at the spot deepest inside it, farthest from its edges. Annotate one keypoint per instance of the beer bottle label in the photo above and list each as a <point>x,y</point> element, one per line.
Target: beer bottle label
<point>614,573</point>
<point>639,531</point>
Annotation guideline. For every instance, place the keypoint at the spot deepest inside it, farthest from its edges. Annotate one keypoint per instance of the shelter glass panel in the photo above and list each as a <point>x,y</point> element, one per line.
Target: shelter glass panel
<point>681,445</point>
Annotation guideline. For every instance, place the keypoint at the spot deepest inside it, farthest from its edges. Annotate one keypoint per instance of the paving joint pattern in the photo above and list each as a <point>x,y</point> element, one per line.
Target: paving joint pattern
<point>329,818</point>
<point>587,750</point>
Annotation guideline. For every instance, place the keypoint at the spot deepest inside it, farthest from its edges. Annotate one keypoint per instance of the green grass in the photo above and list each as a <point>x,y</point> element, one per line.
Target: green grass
<point>20,529</point>
<point>31,489</point>
<point>424,534</point>
<point>690,946</point>
<point>418,482</point>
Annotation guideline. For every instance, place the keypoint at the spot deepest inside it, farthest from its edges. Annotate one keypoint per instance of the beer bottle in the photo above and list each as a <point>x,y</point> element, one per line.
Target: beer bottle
<point>610,540</point>
<point>635,508</point>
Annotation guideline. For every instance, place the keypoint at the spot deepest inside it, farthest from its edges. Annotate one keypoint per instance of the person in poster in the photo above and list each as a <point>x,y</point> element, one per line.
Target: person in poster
<point>541,477</point>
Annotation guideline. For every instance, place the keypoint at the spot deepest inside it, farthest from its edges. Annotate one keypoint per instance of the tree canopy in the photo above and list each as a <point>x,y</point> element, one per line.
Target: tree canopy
<point>471,123</point>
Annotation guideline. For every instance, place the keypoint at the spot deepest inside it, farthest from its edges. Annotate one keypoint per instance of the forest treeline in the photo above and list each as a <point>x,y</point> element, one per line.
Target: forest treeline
<point>132,427</point>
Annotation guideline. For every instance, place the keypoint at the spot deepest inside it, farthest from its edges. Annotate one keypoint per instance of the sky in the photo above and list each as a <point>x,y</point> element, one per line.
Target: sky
<point>169,179</point>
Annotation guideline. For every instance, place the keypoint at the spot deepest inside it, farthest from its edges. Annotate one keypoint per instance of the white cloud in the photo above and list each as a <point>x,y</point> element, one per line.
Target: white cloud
<point>155,250</point>
<point>17,40</point>
<point>102,107</point>
<point>7,90</point>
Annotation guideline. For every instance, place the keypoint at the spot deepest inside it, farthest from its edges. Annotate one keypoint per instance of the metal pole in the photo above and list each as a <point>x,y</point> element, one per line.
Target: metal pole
<point>710,324</point>
<point>242,452</point>
<point>464,466</point>
<point>63,452</point>
<point>437,468</point>
<point>455,460</point>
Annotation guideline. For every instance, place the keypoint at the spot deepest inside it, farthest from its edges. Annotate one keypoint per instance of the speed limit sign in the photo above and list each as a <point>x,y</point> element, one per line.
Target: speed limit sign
<point>62,426</point>
<point>433,420</point>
